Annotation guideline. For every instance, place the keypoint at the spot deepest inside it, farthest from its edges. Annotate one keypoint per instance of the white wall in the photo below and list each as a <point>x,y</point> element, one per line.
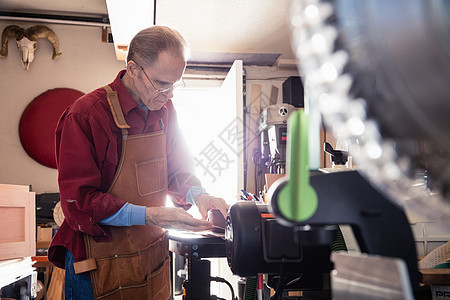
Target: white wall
<point>86,63</point>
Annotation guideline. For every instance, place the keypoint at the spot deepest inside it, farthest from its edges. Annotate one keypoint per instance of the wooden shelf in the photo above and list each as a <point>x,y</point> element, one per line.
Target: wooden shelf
<point>436,276</point>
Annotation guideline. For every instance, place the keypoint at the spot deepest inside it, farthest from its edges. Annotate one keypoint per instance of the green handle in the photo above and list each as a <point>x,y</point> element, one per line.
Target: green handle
<point>297,200</point>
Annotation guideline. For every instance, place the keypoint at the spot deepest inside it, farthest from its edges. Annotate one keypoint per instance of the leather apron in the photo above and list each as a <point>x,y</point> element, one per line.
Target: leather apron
<point>134,264</point>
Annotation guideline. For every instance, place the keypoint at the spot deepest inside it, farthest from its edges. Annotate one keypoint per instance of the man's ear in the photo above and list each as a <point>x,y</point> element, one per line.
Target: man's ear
<point>133,69</point>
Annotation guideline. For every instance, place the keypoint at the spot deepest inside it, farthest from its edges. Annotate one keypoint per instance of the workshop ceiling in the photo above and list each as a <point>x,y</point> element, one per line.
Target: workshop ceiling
<point>213,26</point>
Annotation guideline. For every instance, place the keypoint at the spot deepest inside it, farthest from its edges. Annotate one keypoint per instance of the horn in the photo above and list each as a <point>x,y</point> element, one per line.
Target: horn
<point>9,32</point>
<point>40,31</point>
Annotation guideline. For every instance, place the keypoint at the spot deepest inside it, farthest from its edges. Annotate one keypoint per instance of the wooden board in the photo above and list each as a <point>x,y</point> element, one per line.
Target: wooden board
<point>17,222</point>
<point>436,276</point>
<point>273,95</point>
<point>252,136</point>
<point>56,288</point>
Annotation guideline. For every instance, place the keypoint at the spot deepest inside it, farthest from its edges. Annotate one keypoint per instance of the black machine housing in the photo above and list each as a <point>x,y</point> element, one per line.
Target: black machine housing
<point>257,243</point>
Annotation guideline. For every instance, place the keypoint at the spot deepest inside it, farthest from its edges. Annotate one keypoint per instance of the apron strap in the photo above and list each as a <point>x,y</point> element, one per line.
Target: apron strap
<point>116,110</point>
<point>85,265</point>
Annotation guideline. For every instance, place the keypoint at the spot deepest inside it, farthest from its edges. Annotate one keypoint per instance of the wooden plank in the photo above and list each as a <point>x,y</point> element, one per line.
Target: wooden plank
<point>56,288</point>
<point>273,95</point>
<point>14,187</point>
<point>17,208</point>
<point>329,137</point>
<point>44,234</point>
<point>323,155</point>
<point>252,135</point>
<point>436,276</point>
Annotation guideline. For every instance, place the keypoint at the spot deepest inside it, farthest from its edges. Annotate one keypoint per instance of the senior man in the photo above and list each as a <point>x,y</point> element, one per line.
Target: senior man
<point>119,154</point>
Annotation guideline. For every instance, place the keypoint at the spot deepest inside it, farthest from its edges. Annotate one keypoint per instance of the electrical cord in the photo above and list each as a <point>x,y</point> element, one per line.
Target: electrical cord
<point>219,279</point>
<point>280,286</point>
<point>214,297</point>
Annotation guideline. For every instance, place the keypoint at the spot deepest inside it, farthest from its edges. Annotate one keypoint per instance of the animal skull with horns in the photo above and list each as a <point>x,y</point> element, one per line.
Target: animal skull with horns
<point>27,41</point>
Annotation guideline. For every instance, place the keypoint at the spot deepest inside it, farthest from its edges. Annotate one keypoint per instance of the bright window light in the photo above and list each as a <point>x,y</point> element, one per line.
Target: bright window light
<point>204,117</point>
<point>205,113</point>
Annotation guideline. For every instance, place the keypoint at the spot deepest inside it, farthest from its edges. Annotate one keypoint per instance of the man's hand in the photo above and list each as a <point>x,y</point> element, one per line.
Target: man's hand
<point>207,202</point>
<point>174,218</point>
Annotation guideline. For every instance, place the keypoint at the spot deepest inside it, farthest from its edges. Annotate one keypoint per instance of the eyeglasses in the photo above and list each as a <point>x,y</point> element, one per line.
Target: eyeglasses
<point>177,84</point>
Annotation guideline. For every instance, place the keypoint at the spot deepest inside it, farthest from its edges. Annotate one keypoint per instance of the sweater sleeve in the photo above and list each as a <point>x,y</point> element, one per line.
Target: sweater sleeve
<point>128,215</point>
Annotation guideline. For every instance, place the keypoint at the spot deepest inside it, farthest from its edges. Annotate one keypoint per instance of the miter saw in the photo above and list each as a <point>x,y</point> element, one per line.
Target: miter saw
<point>378,71</point>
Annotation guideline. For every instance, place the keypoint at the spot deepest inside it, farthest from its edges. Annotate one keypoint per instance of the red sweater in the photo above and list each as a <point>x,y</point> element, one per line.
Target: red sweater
<point>88,149</point>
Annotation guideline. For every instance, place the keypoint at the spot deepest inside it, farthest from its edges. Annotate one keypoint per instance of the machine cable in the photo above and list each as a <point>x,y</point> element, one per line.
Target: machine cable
<point>281,284</point>
<point>219,279</point>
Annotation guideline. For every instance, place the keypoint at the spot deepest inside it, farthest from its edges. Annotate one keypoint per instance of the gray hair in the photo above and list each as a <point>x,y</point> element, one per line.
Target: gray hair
<point>148,43</point>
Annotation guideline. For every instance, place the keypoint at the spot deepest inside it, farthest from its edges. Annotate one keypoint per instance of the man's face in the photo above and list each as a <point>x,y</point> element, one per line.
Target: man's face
<point>156,83</point>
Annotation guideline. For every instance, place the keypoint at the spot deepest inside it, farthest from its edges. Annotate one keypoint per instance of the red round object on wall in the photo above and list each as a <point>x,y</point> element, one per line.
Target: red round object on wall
<point>38,123</point>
